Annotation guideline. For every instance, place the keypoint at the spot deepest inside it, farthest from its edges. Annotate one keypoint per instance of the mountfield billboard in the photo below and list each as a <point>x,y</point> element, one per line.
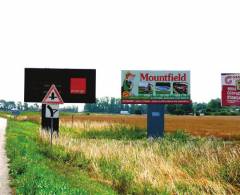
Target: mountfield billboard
<point>230,89</point>
<point>155,87</point>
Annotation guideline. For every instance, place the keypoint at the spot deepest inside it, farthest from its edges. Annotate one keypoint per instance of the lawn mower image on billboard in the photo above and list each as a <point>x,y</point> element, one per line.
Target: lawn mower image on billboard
<point>180,88</point>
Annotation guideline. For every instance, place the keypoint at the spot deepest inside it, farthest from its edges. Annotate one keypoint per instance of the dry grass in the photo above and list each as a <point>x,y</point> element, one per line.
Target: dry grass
<point>184,164</point>
<point>89,125</point>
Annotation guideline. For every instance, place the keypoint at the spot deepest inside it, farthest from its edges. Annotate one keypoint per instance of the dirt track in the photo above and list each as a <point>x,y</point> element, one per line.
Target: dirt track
<point>4,178</point>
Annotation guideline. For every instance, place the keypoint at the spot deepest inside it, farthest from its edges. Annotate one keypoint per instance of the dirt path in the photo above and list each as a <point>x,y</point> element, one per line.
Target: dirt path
<point>4,179</point>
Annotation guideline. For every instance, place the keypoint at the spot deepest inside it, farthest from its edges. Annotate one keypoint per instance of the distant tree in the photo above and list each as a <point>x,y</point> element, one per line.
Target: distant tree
<point>138,110</point>
<point>132,108</point>
<point>25,106</point>
<point>179,109</point>
<point>2,104</point>
<point>114,106</point>
<point>11,105</point>
<point>171,108</point>
<point>199,108</point>
<point>36,107</point>
<point>73,109</point>
<point>214,105</point>
<point>187,109</point>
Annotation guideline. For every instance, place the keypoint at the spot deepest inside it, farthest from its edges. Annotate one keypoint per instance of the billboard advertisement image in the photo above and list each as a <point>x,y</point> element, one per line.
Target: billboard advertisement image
<point>74,85</point>
<point>230,89</point>
<point>163,87</point>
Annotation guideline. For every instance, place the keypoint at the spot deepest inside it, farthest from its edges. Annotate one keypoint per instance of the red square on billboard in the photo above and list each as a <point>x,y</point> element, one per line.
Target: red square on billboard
<point>78,86</point>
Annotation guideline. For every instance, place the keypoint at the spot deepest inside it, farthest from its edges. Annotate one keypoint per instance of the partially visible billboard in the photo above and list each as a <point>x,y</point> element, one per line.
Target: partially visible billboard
<point>155,87</point>
<point>230,89</point>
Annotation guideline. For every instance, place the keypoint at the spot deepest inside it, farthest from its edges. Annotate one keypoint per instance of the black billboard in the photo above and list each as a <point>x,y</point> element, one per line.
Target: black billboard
<point>74,85</point>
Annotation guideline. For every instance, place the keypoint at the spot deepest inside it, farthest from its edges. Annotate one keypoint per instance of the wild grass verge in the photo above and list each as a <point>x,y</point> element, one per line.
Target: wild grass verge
<point>32,173</point>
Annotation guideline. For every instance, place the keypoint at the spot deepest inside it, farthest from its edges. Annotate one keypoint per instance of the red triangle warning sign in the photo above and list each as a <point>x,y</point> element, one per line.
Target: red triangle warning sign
<point>53,96</point>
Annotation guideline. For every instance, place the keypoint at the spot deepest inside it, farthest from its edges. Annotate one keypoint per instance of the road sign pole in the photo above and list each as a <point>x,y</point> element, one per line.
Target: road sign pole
<point>51,103</point>
<point>155,120</point>
<point>51,130</point>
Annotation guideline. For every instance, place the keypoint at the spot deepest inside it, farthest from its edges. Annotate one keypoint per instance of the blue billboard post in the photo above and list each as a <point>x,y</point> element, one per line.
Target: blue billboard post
<point>155,120</point>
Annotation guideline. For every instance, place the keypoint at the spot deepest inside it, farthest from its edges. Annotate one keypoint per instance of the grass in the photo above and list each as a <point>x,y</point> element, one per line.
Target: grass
<point>102,130</point>
<point>33,173</point>
<point>102,157</point>
<point>179,163</point>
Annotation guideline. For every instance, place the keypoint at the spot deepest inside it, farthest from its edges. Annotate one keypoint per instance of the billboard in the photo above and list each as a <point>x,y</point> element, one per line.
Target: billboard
<point>230,89</point>
<point>74,85</point>
<point>155,87</point>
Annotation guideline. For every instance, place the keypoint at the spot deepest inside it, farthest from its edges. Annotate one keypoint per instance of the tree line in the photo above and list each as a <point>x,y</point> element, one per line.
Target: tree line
<point>19,106</point>
<point>113,106</point>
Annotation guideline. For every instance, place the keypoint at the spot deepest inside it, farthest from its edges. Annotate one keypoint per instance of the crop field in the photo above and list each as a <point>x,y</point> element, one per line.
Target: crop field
<point>112,153</point>
<point>226,127</point>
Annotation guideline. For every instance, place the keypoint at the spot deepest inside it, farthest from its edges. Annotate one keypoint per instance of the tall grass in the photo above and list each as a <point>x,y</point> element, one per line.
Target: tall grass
<point>179,163</point>
<point>102,130</point>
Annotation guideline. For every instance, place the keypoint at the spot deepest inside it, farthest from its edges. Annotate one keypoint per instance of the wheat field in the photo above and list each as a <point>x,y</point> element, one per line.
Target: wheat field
<point>227,127</point>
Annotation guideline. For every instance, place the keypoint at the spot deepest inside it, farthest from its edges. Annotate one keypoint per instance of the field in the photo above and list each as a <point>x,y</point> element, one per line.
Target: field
<point>111,152</point>
<point>226,127</point>
<point>219,126</point>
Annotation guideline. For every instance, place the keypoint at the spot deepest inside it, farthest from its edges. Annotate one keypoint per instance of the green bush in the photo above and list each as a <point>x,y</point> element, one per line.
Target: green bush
<point>179,135</point>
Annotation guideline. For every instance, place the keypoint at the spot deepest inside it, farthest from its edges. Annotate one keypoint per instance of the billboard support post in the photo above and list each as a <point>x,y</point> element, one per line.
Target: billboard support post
<point>155,88</point>
<point>155,120</point>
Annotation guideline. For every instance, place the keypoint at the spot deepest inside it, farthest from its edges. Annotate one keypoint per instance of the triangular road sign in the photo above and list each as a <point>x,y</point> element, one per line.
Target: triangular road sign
<point>53,96</point>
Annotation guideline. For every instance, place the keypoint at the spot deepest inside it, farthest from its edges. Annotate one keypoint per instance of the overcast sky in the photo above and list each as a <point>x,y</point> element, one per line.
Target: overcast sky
<point>200,36</point>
